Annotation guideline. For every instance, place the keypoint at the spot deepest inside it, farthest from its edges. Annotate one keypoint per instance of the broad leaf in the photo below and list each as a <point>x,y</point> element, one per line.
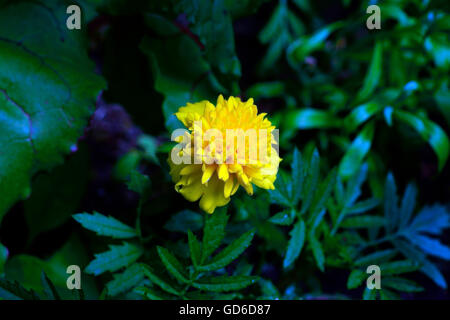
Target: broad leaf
<point>43,115</point>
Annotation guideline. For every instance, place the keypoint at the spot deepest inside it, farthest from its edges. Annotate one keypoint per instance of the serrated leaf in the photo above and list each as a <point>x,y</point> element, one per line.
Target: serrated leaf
<point>117,257</point>
<point>408,204</point>
<point>172,264</point>
<point>14,291</point>
<point>224,283</point>
<point>157,280</point>
<point>49,288</point>
<point>126,280</point>
<point>282,193</point>
<point>296,242</point>
<point>311,181</point>
<point>213,232</point>
<point>430,246</point>
<point>427,268</point>
<point>298,176</point>
<point>105,226</point>
<point>230,253</point>
<point>321,196</point>
<point>431,219</point>
<point>195,248</point>
<point>42,116</point>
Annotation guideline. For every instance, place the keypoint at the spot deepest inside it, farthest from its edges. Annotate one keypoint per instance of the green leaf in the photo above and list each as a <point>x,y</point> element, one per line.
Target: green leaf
<point>195,248</point>
<point>230,253</point>
<point>185,220</point>
<point>14,291</point>
<point>41,116</point>
<point>105,226</point>
<point>311,181</point>
<point>317,250</point>
<point>408,205</point>
<point>181,78</point>
<point>269,291</point>
<point>126,280</point>
<point>139,183</point>
<point>428,268</point>
<point>284,218</point>
<point>399,267</point>
<point>437,45</point>
<point>295,243</point>
<point>156,279</point>
<point>373,75</point>
<point>305,45</point>
<point>152,293</point>
<point>117,257</point>
<point>298,176</point>
<point>401,284</point>
<point>3,257</point>
<point>364,206</point>
<point>429,131</point>
<point>282,193</point>
<point>429,245</point>
<point>355,154</point>
<point>356,278</point>
<point>49,288</point>
<point>172,264</point>
<point>57,194</point>
<point>366,221</point>
<point>390,203</point>
<point>213,232</point>
<point>310,119</point>
<point>150,146</point>
<point>360,114</point>
<point>376,257</point>
<point>224,283</point>
<point>370,294</point>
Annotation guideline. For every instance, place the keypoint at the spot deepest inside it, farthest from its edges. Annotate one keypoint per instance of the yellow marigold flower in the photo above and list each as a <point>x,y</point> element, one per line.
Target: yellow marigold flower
<point>226,146</point>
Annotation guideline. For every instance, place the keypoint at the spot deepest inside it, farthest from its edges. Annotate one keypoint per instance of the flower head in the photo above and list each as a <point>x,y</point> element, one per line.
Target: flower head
<point>226,146</point>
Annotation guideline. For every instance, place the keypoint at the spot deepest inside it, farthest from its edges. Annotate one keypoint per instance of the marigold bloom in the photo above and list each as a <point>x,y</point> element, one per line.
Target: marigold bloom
<point>216,167</point>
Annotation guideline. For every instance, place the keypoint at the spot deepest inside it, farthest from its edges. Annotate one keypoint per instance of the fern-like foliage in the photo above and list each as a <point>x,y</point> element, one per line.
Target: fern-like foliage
<point>204,276</point>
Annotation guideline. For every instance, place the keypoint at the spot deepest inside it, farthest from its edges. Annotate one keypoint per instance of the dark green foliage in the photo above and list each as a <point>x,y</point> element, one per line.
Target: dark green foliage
<point>86,118</point>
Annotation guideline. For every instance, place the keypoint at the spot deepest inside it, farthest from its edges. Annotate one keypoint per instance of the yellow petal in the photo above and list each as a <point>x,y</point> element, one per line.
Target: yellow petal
<point>223,172</point>
<point>207,173</point>
<point>229,186</point>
